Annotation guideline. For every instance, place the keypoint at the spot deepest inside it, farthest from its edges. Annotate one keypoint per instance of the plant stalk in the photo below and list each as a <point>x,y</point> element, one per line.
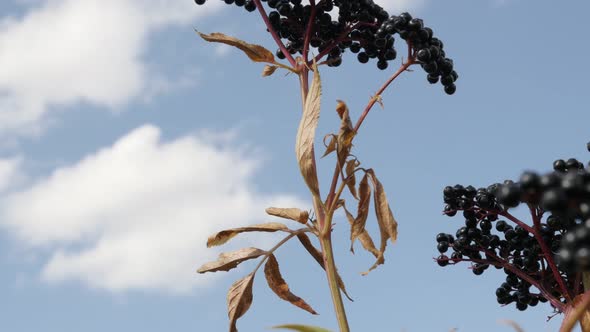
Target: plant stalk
<point>326,243</point>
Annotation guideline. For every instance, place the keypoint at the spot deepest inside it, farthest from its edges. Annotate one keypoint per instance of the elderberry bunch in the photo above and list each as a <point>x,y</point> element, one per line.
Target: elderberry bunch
<point>361,27</point>
<point>543,259</point>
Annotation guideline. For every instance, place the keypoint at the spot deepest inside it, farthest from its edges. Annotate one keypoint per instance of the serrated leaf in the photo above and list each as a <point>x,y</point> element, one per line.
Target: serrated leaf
<point>317,255</point>
<point>228,234</point>
<point>345,134</point>
<point>229,260</point>
<point>255,52</point>
<point>239,299</point>
<point>304,145</point>
<point>351,165</point>
<point>386,221</point>
<point>330,147</point>
<point>301,328</point>
<point>278,285</point>
<point>298,215</point>
<point>269,70</point>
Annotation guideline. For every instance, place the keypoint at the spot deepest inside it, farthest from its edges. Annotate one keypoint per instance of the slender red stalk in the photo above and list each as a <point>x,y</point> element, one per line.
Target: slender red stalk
<point>548,255</point>
<point>274,34</point>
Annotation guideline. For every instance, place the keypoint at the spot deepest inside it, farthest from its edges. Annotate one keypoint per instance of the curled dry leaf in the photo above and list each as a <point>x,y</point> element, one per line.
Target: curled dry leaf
<point>385,219</point>
<point>357,227</point>
<point>269,70</point>
<point>239,299</point>
<point>255,52</point>
<point>301,328</point>
<point>345,134</point>
<point>364,237</point>
<point>298,215</point>
<point>512,324</point>
<point>304,145</point>
<point>228,260</point>
<point>387,222</point>
<point>279,286</point>
<point>317,255</point>
<point>351,165</point>
<point>222,237</point>
<point>331,146</point>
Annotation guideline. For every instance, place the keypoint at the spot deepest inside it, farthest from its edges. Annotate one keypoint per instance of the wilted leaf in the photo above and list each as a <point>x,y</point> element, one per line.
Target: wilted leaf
<point>301,328</point>
<point>226,235</point>
<point>269,70</point>
<point>385,219</point>
<point>358,225</point>
<point>239,299</point>
<point>512,324</point>
<point>317,255</point>
<point>330,147</point>
<point>345,135</point>
<point>580,312</point>
<point>228,260</point>
<point>256,53</point>
<point>304,149</point>
<point>351,178</point>
<point>280,287</point>
<point>363,237</point>
<point>289,213</point>
<point>387,222</point>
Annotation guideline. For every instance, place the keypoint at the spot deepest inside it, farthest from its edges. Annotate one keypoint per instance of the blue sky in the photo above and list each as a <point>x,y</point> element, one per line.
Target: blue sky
<point>126,140</point>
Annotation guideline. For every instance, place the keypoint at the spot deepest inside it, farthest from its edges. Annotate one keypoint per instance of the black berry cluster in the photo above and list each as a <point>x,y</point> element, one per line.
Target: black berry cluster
<point>363,28</point>
<point>543,259</point>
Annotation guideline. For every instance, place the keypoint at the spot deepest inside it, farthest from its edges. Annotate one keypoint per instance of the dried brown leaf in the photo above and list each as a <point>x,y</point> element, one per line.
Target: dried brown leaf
<point>269,70</point>
<point>512,324</point>
<point>351,165</point>
<point>298,215</point>
<point>387,222</point>
<point>317,255</point>
<point>358,225</point>
<point>304,145</point>
<point>311,249</point>
<point>279,286</point>
<point>301,328</point>
<point>228,260</point>
<point>228,234</point>
<point>239,299</point>
<point>330,147</point>
<point>345,134</point>
<point>363,237</point>
<point>255,52</point>
<point>385,219</point>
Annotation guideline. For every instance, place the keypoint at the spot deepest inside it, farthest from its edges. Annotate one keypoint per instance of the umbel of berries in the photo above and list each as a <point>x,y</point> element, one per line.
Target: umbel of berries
<point>546,256</point>
<point>362,28</point>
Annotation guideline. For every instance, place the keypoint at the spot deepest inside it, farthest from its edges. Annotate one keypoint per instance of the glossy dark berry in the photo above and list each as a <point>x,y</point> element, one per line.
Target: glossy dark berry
<point>363,57</point>
<point>450,89</point>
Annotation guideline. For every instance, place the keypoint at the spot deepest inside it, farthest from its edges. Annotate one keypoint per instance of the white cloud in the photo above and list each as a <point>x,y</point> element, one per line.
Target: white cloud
<point>136,215</point>
<point>395,7</point>
<point>9,172</point>
<point>65,51</point>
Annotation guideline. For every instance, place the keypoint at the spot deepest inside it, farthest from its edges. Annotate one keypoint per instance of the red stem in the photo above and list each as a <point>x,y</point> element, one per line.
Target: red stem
<point>274,34</point>
<point>548,254</point>
<point>309,31</point>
